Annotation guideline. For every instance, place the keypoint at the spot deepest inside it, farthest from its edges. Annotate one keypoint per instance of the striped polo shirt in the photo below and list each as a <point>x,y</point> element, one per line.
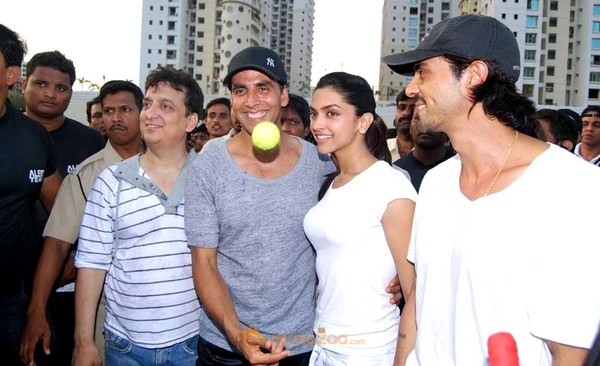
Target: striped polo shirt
<point>150,296</point>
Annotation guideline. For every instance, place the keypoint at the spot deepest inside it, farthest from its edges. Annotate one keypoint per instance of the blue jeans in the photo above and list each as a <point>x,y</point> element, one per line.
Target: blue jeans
<point>121,352</point>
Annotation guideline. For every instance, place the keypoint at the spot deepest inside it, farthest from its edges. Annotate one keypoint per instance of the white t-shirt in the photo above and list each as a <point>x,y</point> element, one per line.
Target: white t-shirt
<point>354,263</point>
<point>523,260</point>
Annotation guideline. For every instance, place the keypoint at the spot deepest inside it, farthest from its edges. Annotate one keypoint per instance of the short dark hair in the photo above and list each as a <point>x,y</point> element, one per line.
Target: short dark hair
<point>300,106</point>
<point>115,86</point>
<point>88,106</point>
<point>12,46</point>
<point>201,128</point>
<point>560,125</point>
<point>179,80</point>
<point>402,96</point>
<point>53,59</point>
<point>226,102</point>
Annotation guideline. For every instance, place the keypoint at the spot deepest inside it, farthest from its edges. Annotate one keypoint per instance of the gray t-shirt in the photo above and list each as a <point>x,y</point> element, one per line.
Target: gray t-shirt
<point>263,254</point>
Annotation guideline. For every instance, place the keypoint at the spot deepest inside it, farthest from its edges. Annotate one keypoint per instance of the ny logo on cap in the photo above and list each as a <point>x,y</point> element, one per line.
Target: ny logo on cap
<point>270,62</point>
<point>426,34</point>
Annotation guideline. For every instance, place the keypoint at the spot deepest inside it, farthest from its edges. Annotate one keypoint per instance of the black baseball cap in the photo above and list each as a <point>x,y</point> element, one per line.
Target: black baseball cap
<point>257,58</point>
<point>470,36</point>
<point>590,109</point>
<point>574,117</point>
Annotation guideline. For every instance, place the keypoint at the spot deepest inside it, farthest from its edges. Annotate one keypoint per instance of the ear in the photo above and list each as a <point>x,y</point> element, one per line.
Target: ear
<point>475,74</point>
<point>192,122</point>
<point>567,144</point>
<point>364,122</point>
<point>285,97</point>
<point>23,83</point>
<point>12,74</point>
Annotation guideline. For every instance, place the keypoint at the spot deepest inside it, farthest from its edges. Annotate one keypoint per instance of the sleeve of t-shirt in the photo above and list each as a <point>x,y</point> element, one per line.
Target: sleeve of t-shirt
<point>392,185</point>
<point>66,215</point>
<point>564,300</point>
<point>201,219</point>
<point>96,236</point>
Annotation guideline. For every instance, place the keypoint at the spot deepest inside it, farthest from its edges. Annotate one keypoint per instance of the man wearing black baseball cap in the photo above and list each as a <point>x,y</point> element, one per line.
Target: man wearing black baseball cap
<point>589,147</point>
<point>247,216</point>
<point>486,259</point>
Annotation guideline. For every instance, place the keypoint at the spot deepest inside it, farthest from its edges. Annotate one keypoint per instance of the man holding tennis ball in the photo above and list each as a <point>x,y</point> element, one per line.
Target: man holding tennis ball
<point>254,269</point>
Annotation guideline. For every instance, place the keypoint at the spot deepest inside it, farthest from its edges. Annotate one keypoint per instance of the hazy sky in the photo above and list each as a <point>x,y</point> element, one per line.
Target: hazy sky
<point>102,37</point>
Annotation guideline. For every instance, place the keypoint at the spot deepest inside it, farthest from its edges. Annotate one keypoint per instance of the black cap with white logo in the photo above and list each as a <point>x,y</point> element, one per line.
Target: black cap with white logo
<point>257,58</point>
<point>474,37</point>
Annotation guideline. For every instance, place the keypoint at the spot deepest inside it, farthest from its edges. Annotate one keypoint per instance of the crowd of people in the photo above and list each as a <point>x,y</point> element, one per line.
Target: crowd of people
<point>160,235</point>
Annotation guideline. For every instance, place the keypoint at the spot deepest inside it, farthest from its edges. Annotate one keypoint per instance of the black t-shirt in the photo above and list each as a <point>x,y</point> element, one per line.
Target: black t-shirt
<point>416,169</point>
<point>75,142</point>
<point>27,156</point>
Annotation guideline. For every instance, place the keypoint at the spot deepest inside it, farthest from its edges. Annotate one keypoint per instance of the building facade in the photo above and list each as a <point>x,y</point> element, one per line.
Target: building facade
<point>559,43</point>
<point>404,23</point>
<point>201,36</point>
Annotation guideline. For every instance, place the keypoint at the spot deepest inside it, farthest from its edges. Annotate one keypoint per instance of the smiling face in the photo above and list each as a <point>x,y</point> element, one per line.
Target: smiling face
<point>334,123</point>
<point>164,119</point>
<point>121,118</point>
<point>256,98</point>
<point>438,92</point>
<point>47,93</point>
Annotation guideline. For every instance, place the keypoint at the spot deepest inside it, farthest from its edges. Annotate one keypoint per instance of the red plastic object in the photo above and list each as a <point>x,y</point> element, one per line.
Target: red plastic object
<point>502,350</point>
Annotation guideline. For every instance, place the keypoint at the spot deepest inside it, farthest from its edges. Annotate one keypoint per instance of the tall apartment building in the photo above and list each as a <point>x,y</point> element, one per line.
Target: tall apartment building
<point>201,36</point>
<point>559,43</point>
<point>404,23</point>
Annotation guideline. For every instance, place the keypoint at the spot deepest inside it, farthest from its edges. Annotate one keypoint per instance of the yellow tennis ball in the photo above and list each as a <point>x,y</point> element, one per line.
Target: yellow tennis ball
<point>265,135</point>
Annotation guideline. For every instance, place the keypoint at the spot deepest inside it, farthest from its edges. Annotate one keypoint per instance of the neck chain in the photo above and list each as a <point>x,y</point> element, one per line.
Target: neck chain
<point>487,191</point>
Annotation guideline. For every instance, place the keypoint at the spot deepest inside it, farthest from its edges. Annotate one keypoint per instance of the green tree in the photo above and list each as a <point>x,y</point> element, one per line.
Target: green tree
<point>82,80</point>
<point>16,99</point>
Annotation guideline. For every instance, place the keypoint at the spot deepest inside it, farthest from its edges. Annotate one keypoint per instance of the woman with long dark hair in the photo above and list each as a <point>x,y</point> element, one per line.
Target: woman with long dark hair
<point>360,228</point>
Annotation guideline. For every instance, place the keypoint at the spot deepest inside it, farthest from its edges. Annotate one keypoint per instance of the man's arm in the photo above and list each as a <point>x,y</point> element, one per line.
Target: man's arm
<point>88,288</point>
<point>563,355</point>
<point>49,266</point>
<point>50,186</point>
<point>215,298</point>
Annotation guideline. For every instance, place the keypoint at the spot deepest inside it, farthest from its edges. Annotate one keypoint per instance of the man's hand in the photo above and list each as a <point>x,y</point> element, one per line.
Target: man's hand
<point>260,351</point>
<point>36,329</point>
<point>396,291</point>
<point>86,354</point>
